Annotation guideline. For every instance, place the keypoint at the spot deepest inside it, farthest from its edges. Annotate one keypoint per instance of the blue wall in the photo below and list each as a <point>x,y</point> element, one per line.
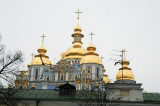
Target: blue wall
<point>51,86</point>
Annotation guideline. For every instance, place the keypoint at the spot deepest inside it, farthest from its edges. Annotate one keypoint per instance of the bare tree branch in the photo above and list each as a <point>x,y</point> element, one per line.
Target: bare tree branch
<point>9,65</point>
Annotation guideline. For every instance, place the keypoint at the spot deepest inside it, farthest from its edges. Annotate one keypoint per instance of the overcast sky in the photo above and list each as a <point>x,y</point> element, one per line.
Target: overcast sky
<point>117,24</point>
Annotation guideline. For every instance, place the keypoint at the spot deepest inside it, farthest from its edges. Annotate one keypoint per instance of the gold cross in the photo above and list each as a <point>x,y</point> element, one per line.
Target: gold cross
<point>78,12</point>
<point>43,38</point>
<point>91,35</point>
<point>32,55</point>
<point>102,58</point>
<point>124,52</point>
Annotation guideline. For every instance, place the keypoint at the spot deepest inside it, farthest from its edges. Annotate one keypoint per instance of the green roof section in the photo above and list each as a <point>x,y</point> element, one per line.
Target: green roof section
<point>151,97</point>
<point>34,94</point>
<point>53,95</point>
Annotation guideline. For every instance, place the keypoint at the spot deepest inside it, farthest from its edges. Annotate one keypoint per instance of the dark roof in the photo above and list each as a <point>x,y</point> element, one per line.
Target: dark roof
<point>67,85</point>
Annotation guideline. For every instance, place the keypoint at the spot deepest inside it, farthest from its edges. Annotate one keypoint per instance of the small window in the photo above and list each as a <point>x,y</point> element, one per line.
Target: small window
<point>124,92</point>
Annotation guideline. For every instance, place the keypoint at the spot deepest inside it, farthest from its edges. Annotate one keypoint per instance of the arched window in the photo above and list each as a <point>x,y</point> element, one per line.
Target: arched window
<point>36,76</point>
<point>61,75</point>
<point>47,76</point>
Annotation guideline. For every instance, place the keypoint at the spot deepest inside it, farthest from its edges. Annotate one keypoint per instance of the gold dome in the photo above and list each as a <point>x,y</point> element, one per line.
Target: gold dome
<point>91,57</point>
<point>37,60</point>
<point>42,50</point>
<point>105,79</point>
<point>77,29</point>
<point>91,48</point>
<point>127,73</point>
<point>75,52</point>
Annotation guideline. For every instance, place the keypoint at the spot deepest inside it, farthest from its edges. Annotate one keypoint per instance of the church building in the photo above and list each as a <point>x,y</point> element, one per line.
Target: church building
<point>78,66</point>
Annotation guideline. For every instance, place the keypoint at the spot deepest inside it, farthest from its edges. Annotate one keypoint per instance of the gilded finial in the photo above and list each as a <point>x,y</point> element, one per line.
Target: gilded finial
<point>78,12</point>
<point>43,38</point>
<point>91,35</point>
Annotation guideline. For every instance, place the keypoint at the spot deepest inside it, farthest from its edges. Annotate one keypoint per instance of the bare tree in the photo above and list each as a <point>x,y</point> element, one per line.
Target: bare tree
<point>9,64</point>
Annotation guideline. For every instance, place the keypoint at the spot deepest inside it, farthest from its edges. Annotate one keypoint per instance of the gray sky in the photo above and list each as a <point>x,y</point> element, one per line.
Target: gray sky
<point>117,24</point>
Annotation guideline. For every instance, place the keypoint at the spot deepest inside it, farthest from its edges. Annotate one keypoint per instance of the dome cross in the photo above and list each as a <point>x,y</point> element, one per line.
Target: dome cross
<point>91,35</point>
<point>43,38</point>
<point>124,53</point>
<point>78,12</point>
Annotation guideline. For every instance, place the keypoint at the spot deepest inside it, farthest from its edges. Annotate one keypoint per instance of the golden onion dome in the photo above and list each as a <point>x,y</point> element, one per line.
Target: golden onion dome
<point>77,28</point>
<point>37,60</point>
<point>127,72</point>
<point>106,79</point>
<point>91,57</point>
<point>91,48</point>
<point>75,52</point>
<point>42,50</point>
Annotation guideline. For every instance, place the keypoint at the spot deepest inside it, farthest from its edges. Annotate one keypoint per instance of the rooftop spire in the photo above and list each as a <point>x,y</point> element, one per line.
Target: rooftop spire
<point>43,38</point>
<point>91,47</point>
<point>124,51</point>
<point>42,49</point>
<point>91,36</point>
<point>78,12</point>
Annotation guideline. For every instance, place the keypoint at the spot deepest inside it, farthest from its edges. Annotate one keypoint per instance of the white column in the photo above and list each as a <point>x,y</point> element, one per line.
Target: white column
<point>67,76</point>
<point>93,73</point>
<point>56,76</point>
<point>32,73</point>
<point>100,73</point>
